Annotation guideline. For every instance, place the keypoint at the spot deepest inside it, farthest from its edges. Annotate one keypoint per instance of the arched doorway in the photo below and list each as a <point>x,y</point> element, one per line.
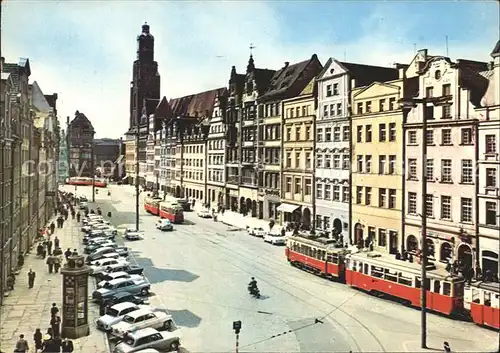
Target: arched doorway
<point>358,231</point>
<point>337,226</point>
<point>177,191</point>
<point>446,252</point>
<point>489,261</point>
<point>297,215</point>
<point>411,243</point>
<point>431,250</point>
<point>242,205</point>
<point>248,206</point>
<point>254,209</point>
<point>464,254</point>
<point>306,218</point>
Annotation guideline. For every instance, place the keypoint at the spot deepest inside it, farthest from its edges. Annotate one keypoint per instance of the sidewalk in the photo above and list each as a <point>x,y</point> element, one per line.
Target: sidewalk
<point>235,219</point>
<point>26,309</point>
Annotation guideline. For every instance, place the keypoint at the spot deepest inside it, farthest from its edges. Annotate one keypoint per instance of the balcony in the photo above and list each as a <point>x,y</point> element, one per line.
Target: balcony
<point>251,143</point>
<point>246,180</point>
<point>233,179</point>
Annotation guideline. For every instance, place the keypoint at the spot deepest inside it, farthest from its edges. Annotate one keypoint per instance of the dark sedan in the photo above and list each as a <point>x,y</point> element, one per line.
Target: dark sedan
<point>123,297</point>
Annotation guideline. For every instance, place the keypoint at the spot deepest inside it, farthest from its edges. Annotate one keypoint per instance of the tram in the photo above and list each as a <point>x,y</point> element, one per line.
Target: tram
<point>82,181</point>
<point>152,205</point>
<point>171,211</point>
<point>482,299</point>
<point>376,273</point>
<point>318,255</point>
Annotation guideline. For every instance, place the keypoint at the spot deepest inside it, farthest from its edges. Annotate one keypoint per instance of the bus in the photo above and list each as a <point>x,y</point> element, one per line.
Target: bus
<point>152,205</point>
<point>171,211</point>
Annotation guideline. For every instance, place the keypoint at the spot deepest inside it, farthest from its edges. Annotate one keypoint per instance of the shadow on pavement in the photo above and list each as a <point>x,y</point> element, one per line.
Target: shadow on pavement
<point>158,275</point>
<point>185,318</point>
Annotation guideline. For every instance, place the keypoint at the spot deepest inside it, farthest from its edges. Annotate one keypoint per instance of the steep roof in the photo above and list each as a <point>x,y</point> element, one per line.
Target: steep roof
<point>51,99</point>
<point>263,78</point>
<point>196,105</point>
<point>290,80</point>
<point>366,74</point>
<point>496,50</point>
<point>470,77</point>
<point>81,121</point>
<point>16,69</point>
<point>163,109</point>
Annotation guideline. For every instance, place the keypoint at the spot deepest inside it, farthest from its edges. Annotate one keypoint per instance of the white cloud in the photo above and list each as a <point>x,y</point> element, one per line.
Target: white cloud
<point>85,50</point>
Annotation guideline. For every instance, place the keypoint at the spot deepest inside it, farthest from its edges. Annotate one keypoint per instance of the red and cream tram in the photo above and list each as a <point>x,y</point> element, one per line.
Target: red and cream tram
<point>482,299</point>
<point>152,205</point>
<point>318,255</point>
<point>81,181</point>
<point>377,273</point>
<point>171,211</point>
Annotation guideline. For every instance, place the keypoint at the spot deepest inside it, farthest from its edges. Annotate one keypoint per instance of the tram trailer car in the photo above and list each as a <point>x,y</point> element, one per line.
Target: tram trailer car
<point>318,255</point>
<point>80,181</point>
<point>152,205</point>
<point>482,299</point>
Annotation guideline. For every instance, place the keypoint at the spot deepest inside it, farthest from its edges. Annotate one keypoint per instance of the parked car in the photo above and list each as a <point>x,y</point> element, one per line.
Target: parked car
<point>141,287</point>
<point>115,314</point>
<point>102,266</point>
<point>146,338</point>
<point>120,249</point>
<point>140,319</point>
<point>116,275</point>
<point>164,224</point>
<point>101,251</point>
<point>82,205</point>
<point>204,214</point>
<point>111,255</point>
<point>122,297</point>
<point>132,234</point>
<point>130,269</point>
<point>275,238</point>
<point>90,248</point>
<point>256,231</point>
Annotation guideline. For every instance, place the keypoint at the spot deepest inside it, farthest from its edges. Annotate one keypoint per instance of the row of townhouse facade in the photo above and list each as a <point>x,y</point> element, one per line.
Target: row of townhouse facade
<point>338,147</point>
<point>29,143</point>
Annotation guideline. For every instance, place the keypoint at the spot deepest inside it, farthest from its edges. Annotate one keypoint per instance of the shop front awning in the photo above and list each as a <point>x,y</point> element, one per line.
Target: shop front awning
<point>287,207</point>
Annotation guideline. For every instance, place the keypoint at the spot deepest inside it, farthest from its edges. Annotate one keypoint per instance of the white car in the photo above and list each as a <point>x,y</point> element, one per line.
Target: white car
<point>116,275</point>
<point>257,232</point>
<point>149,340</point>
<point>164,224</point>
<point>115,314</point>
<point>275,238</point>
<point>102,265</point>
<point>143,318</point>
<point>82,205</point>
<point>205,214</point>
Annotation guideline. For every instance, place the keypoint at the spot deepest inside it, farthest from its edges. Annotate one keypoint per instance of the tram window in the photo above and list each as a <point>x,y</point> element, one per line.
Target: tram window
<point>391,276</point>
<point>314,253</point>
<point>354,265</point>
<point>475,296</point>
<point>377,271</point>
<point>487,298</point>
<point>366,269</point>
<point>458,289</point>
<point>323,255</point>
<point>437,286</point>
<point>405,280</point>
<point>446,288</point>
<point>427,284</point>
<point>418,282</point>
<point>360,267</point>
<point>333,258</point>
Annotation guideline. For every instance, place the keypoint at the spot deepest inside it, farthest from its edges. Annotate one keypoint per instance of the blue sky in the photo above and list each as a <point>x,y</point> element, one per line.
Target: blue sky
<point>84,50</point>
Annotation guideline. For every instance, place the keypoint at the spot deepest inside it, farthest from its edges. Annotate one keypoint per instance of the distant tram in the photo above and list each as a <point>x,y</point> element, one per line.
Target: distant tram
<point>152,205</point>
<point>171,211</point>
<point>483,302</point>
<point>318,255</point>
<point>82,181</point>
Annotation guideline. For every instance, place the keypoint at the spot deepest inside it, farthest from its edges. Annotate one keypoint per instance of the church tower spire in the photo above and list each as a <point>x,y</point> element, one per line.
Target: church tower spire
<point>145,44</point>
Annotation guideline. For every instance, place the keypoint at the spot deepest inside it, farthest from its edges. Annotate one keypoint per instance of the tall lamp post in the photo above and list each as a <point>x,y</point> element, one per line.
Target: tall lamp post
<point>408,104</point>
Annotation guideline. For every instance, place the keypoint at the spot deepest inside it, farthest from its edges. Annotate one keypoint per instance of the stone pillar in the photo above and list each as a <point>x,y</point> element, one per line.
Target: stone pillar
<point>75,298</point>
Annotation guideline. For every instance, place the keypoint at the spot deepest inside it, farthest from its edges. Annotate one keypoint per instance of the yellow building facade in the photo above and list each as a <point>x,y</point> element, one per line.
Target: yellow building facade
<point>377,164</point>
<point>130,158</point>
<point>297,189</point>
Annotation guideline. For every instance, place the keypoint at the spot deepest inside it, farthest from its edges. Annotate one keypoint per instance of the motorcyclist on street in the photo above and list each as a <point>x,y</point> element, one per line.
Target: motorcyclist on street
<point>252,287</point>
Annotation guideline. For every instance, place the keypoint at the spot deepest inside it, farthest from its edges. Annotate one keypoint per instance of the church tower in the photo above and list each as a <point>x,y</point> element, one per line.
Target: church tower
<point>146,79</point>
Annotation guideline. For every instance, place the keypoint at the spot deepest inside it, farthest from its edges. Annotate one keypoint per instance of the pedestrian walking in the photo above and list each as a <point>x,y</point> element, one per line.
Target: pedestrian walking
<point>31,278</point>
<point>75,252</point>
<point>55,323</point>
<point>446,347</point>
<point>52,228</point>
<point>22,345</point>
<point>68,253</point>
<point>57,252</point>
<point>56,242</point>
<point>54,310</point>
<point>38,338</point>
<point>11,280</point>
<point>56,344</point>
<point>50,262</point>
<point>57,264</point>
<point>78,217</point>
<point>49,246</point>
<point>67,345</point>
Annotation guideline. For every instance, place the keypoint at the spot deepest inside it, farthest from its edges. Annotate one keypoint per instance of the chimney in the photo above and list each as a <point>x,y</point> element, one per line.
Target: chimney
<point>353,83</point>
<point>286,64</point>
<point>423,52</point>
<point>491,65</point>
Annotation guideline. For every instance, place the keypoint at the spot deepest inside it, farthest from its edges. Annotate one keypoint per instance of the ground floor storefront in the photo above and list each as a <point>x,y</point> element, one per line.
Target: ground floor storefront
<point>489,250</point>
<point>334,220</point>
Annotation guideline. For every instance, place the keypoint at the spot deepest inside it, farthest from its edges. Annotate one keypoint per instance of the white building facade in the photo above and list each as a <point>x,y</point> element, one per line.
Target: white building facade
<point>150,154</point>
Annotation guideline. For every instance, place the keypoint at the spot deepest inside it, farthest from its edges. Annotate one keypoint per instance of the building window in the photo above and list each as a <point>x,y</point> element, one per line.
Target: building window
<point>336,134</point>
<point>288,184</point>
<point>447,90</point>
<point>339,109</point>
<point>392,164</point>
<point>446,207</point>
<point>412,137</point>
<point>308,133</point>
<point>412,203</point>
<point>368,164</point>
<point>429,169</point>
<point>429,205</point>
<point>328,161</point>
<point>346,162</point>
<point>335,89</point>
<point>345,194</point>
<point>336,161</point>
<point>308,189</point>
<point>297,159</point>
<point>360,163</point>
<point>412,169</point>
<point>328,134</point>
<point>382,197</point>
<point>319,161</point>
<point>368,107</point>
<point>308,160</point>
<point>359,134</point>
<point>382,238</point>
<point>392,198</point>
<point>289,134</point>
<point>368,133</point>
<point>319,135</point>
<point>491,213</point>
<point>392,103</point>
<point>446,137</point>
<point>297,186</point>
<point>359,194</point>
<point>429,92</point>
<point>392,131</point>
<point>381,105</point>
<point>368,195</point>
<point>360,108</point>
<point>328,192</point>
<point>325,111</point>
<point>429,136</point>
<point>446,109</point>
<point>466,136</point>
<point>319,191</point>
<point>467,171</point>
<point>329,91</point>
<point>466,210</point>
<point>382,133</point>
<point>332,109</point>
<point>490,144</point>
<point>346,133</point>
<point>297,133</point>
<point>336,193</point>
<point>289,159</point>
<point>491,178</point>
<point>446,171</point>
<point>381,164</point>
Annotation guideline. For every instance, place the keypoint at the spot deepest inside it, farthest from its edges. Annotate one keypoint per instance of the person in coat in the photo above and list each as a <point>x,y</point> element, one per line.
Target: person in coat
<point>38,338</point>
<point>31,278</point>
<point>67,345</point>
